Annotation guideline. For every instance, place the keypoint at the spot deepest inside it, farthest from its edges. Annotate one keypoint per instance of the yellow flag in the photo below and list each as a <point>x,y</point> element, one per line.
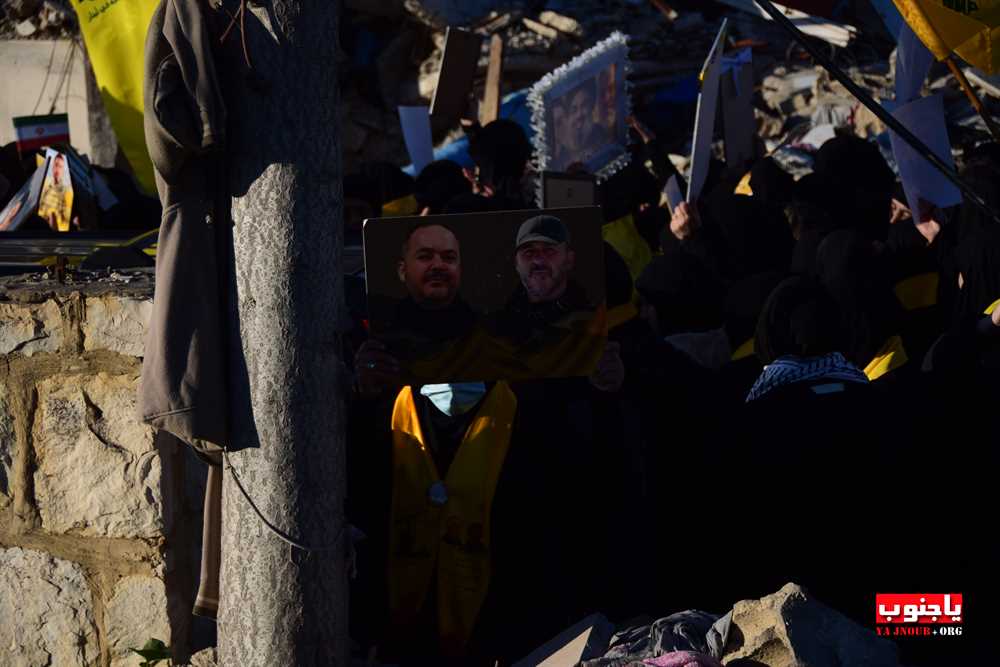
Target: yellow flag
<point>115,34</point>
<point>970,28</point>
<point>626,240</point>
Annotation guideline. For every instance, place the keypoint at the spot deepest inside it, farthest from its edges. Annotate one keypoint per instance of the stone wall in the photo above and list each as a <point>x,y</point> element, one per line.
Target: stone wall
<point>99,515</point>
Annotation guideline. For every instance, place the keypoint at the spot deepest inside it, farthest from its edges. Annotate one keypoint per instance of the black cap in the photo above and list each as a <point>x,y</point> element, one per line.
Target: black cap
<point>544,228</point>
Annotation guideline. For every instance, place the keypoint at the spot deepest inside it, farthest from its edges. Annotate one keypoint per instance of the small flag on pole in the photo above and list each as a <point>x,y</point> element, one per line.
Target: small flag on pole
<point>36,131</point>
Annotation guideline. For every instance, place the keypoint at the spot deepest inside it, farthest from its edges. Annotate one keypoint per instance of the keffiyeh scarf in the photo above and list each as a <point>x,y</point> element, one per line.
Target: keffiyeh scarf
<point>789,370</point>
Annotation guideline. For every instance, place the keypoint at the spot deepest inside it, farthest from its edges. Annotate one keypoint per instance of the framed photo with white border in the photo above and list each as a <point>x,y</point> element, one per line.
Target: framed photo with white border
<point>578,112</point>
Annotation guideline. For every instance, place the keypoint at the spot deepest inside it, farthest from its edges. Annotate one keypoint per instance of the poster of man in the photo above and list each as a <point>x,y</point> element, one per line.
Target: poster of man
<point>584,120</point>
<point>56,205</point>
<point>488,296</point>
<point>23,205</point>
<point>579,111</point>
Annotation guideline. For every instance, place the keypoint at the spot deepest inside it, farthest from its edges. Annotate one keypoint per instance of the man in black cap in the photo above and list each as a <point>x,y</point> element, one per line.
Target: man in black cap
<point>548,305</point>
<point>544,258</point>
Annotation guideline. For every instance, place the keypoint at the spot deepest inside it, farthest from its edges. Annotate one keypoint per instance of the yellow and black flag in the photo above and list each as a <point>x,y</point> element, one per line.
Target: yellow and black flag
<point>115,35</point>
<point>970,28</point>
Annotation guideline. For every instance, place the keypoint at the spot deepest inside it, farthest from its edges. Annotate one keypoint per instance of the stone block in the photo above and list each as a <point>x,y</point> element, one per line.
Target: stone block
<point>136,613</point>
<point>117,324</point>
<point>8,445</point>
<point>789,628</point>
<point>46,611</point>
<point>205,658</point>
<point>98,473</point>
<point>563,24</point>
<point>30,328</point>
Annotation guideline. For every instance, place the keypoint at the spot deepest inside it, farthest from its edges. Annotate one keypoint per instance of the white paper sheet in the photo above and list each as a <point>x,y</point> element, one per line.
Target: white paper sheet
<point>673,192</point>
<point>924,117</point>
<point>416,124</point>
<point>704,122</point>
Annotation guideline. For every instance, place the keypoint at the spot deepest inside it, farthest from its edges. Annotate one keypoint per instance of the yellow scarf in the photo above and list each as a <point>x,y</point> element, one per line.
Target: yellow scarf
<point>482,355</point>
<point>889,358</point>
<point>623,236</point>
<point>743,188</point>
<point>452,539</point>
<point>619,315</point>
<point>744,351</point>
<point>399,207</point>
<point>993,306</point>
<point>919,291</point>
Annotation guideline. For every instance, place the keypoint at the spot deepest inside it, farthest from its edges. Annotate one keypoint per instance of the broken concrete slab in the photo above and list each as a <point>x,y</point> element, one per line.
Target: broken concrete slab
<point>587,639</point>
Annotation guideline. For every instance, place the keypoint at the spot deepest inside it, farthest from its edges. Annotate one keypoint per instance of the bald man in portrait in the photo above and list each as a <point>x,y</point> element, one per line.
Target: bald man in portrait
<point>433,316</point>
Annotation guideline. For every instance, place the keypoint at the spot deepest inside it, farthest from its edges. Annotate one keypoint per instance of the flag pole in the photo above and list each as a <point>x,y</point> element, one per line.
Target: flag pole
<point>977,103</point>
<point>877,109</point>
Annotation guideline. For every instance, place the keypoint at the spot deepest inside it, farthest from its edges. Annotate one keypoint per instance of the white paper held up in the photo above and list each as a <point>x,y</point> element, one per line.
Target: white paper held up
<point>416,124</point>
<point>704,120</point>
<point>924,117</point>
<point>672,190</point>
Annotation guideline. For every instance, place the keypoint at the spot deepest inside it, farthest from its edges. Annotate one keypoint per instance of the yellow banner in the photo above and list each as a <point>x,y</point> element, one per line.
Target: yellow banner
<point>115,34</point>
<point>970,28</point>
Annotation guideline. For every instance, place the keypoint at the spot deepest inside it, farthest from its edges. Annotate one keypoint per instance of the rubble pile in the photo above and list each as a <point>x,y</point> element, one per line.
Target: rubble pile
<point>668,43</point>
<point>37,19</point>
<point>411,35</point>
<point>391,52</point>
<point>788,628</point>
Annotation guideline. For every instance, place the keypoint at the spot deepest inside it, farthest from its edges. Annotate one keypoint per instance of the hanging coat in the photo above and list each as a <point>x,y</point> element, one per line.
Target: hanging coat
<point>183,370</point>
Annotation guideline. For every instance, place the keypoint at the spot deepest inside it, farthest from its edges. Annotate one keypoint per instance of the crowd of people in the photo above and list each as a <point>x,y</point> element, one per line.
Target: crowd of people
<point>799,385</point>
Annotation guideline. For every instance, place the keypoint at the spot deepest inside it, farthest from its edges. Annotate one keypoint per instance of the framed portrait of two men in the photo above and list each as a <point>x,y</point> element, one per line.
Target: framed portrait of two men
<point>512,295</point>
<point>579,112</point>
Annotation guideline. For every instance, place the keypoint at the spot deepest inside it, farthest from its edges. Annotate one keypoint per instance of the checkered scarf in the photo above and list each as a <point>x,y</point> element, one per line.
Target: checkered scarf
<point>790,370</point>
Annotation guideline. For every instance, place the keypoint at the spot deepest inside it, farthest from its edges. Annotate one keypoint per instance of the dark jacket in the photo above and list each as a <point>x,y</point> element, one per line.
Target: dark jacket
<point>414,331</point>
<point>537,325</point>
<point>828,490</point>
<point>798,478</point>
<point>183,372</point>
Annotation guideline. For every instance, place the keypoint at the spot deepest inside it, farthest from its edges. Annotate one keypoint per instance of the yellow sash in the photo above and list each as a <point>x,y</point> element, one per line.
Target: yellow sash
<point>889,358</point>
<point>993,306</point>
<point>467,359</point>
<point>398,207</point>
<point>619,315</point>
<point>625,239</point>
<point>451,540</point>
<point>918,291</point>
<point>743,351</point>
<point>743,188</point>
<point>481,356</point>
<point>576,354</point>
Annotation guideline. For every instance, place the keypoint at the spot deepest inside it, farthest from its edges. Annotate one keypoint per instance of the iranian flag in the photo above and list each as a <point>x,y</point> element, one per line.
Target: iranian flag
<point>37,131</point>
